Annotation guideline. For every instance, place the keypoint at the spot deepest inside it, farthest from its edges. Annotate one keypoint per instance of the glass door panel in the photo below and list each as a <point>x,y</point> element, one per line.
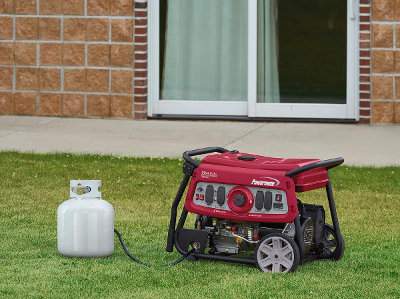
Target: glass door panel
<point>302,51</point>
<point>203,50</point>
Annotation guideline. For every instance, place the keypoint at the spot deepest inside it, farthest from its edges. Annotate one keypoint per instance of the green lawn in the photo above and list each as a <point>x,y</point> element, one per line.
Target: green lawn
<point>141,191</point>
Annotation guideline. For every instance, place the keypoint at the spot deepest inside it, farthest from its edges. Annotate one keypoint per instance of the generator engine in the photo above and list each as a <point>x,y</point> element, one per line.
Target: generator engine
<point>228,237</point>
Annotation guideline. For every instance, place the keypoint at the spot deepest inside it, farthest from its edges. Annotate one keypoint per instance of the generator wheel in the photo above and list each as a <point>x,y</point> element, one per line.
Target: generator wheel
<point>333,244</point>
<point>277,253</point>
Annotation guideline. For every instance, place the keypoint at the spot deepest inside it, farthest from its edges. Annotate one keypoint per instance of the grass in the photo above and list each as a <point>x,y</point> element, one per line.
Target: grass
<point>141,190</point>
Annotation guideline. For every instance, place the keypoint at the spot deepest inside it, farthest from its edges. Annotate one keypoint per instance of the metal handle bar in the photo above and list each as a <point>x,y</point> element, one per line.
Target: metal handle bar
<point>187,156</point>
<point>327,164</point>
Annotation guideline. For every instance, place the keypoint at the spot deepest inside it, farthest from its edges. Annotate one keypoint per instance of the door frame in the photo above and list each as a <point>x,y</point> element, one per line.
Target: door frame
<point>250,108</point>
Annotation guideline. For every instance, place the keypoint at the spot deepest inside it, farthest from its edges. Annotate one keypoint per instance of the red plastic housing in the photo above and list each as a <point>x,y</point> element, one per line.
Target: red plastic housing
<point>248,171</point>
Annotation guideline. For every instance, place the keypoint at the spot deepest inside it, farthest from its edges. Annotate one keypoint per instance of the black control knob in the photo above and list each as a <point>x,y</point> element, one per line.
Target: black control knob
<point>259,200</point>
<point>268,201</point>
<point>209,194</point>
<point>239,200</point>
<point>221,195</point>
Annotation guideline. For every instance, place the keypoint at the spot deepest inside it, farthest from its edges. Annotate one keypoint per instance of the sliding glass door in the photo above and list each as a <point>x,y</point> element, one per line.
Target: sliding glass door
<point>253,58</point>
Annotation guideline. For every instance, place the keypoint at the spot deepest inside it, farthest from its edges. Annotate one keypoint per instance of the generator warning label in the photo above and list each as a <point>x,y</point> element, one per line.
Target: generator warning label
<point>208,174</point>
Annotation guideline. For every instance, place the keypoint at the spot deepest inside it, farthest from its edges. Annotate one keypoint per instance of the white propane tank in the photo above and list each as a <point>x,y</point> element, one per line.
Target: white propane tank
<point>85,222</point>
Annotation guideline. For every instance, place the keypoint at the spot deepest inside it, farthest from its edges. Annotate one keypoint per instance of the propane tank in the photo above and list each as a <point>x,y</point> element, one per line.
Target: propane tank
<point>85,222</point>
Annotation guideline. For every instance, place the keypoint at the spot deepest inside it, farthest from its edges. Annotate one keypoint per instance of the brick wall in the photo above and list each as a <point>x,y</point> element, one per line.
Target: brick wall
<point>77,58</point>
<point>385,69</point>
<point>67,58</point>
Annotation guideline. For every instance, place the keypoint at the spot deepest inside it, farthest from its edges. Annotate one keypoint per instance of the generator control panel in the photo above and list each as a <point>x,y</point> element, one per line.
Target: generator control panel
<point>240,199</point>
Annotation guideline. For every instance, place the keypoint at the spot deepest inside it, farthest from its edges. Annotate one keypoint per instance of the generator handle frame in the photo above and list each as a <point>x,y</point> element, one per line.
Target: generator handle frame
<point>188,167</point>
<point>327,164</point>
<point>187,156</point>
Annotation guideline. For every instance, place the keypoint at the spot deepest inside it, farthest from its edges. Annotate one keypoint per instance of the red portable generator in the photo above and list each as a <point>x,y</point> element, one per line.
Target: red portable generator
<point>248,210</point>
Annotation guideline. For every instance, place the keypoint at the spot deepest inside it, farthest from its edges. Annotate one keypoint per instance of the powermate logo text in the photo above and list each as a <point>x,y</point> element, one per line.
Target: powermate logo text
<point>266,182</point>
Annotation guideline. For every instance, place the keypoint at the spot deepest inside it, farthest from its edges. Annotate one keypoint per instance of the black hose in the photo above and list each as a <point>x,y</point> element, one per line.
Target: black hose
<point>147,265</point>
<point>127,252</point>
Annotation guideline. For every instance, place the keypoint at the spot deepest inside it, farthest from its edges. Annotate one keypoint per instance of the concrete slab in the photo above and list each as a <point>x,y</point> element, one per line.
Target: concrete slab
<point>360,145</point>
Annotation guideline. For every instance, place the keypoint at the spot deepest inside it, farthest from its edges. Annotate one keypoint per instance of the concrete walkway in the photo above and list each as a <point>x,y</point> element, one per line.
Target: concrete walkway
<point>358,144</point>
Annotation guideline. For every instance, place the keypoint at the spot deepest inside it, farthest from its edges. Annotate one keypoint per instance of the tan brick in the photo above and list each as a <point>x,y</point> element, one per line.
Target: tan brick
<point>382,61</point>
<point>121,55</point>
<point>75,80</point>
<point>382,88</point>
<point>382,112</point>
<point>27,79</point>
<point>73,105</point>
<point>50,104</point>
<point>25,103</point>
<point>99,55</point>
<point>25,7</point>
<point>6,103</point>
<point>49,28</point>
<point>25,54</point>
<point>383,10</point>
<point>27,28</point>
<point>73,54</point>
<point>50,54</point>
<point>49,79</point>
<point>97,30</point>
<point>73,7</point>
<point>50,7</point>
<point>121,81</point>
<point>6,53</point>
<point>140,107</point>
<point>397,112</point>
<point>6,29</point>
<point>98,7</point>
<point>98,105</point>
<point>6,78</point>
<point>7,6</point>
<point>140,115</point>
<point>121,106</point>
<point>121,7</point>
<point>97,80</point>
<point>122,30</point>
<point>74,29</point>
<point>382,36</point>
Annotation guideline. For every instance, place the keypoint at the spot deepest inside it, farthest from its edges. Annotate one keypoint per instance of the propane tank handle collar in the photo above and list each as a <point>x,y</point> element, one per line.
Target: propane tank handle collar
<point>81,189</point>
